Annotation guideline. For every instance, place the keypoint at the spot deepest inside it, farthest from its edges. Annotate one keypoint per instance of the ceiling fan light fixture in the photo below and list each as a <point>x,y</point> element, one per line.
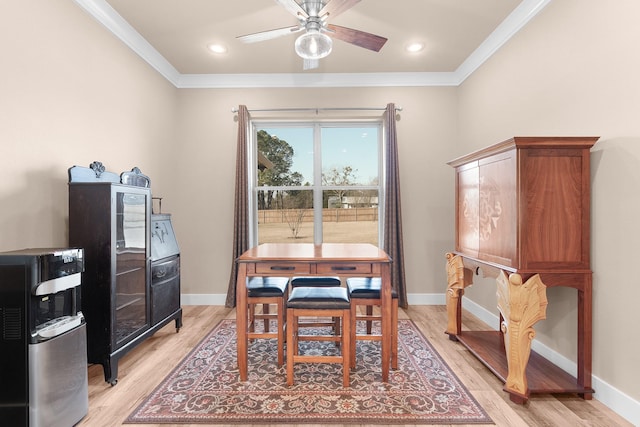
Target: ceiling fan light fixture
<point>313,45</point>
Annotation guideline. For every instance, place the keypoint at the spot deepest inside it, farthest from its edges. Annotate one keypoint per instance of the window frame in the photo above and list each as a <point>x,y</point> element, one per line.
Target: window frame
<point>317,187</point>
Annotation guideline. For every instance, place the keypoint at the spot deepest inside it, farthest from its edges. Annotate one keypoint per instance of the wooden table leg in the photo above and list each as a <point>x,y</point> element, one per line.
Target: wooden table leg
<point>385,302</point>
<point>456,282</point>
<point>585,336</point>
<point>241,320</point>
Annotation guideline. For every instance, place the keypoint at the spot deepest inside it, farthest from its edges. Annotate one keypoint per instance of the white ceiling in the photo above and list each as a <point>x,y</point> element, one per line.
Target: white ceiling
<point>172,35</point>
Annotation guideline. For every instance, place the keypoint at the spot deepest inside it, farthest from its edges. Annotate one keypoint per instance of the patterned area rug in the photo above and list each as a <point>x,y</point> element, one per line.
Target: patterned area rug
<point>204,388</point>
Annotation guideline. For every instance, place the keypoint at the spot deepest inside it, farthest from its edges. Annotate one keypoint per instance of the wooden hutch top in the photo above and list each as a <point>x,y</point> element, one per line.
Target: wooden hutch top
<point>524,204</point>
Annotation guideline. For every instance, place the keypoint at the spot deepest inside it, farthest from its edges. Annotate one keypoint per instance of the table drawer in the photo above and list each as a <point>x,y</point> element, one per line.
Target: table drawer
<point>346,268</point>
<point>272,268</point>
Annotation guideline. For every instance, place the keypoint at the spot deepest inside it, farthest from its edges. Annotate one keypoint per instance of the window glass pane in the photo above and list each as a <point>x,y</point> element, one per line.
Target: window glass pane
<point>349,155</point>
<point>286,216</point>
<point>350,216</point>
<point>341,204</point>
<point>285,156</point>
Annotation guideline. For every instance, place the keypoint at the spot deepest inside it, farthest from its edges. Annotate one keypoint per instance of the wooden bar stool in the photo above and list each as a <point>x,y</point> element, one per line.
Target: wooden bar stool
<point>320,282</point>
<point>365,291</point>
<point>318,302</point>
<point>266,291</point>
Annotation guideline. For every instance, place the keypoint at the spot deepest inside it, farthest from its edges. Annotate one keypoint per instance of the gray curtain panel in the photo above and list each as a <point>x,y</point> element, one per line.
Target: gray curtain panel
<point>241,215</point>
<point>392,208</point>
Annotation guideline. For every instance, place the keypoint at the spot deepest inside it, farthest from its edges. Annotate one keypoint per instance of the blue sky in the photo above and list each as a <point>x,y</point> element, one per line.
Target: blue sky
<point>345,146</point>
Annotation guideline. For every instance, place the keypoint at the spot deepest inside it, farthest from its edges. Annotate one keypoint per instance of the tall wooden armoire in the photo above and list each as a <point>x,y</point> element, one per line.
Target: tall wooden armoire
<point>523,217</point>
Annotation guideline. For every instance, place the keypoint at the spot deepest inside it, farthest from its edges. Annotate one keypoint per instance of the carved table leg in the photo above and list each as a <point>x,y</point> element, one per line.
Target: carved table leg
<point>455,290</point>
<point>521,305</point>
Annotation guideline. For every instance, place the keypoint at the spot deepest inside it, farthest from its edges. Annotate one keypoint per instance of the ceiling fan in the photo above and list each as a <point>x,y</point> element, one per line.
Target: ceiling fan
<point>315,43</point>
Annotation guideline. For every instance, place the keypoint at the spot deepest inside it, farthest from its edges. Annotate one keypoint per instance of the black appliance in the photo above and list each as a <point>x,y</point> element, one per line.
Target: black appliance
<point>43,361</point>
<point>165,271</point>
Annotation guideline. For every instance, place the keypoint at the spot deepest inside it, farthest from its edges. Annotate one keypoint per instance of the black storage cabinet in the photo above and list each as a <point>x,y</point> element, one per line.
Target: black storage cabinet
<point>112,223</point>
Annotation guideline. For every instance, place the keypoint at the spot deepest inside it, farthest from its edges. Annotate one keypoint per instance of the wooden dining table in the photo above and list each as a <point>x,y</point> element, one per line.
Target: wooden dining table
<point>307,259</point>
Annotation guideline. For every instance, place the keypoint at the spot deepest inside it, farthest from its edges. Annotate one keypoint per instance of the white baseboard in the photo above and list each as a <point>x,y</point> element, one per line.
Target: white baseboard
<point>203,299</point>
<point>616,400</point>
<point>426,299</point>
<point>610,396</point>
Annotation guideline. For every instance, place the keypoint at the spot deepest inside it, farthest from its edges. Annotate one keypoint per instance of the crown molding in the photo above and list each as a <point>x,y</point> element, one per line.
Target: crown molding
<point>107,16</point>
<point>315,80</point>
<point>516,20</point>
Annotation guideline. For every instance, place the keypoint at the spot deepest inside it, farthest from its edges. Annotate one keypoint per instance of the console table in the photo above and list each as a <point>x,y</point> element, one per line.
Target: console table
<point>523,217</point>
<point>307,259</point>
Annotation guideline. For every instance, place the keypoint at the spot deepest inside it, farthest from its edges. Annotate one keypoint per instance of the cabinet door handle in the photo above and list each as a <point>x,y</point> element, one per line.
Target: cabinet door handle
<point>282,268</point>
<point>349,268</point>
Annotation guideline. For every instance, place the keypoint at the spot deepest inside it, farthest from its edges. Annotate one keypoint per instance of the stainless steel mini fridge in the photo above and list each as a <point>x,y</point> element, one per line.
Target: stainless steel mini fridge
<point>43,362</point>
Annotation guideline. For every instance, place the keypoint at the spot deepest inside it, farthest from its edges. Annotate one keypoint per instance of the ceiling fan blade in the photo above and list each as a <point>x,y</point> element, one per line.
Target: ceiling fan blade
<point>336,7</point>
<point>293,7</point>
<point>357,37</point>
<point>268,35</point>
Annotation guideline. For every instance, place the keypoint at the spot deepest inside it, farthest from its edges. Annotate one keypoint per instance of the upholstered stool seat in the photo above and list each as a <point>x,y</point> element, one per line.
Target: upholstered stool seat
<point>320,282</point>
<point>365,291</point>
<point>315,281</point>
<point>267,291</point>
<point>267,286</point>
<point>318,302</point>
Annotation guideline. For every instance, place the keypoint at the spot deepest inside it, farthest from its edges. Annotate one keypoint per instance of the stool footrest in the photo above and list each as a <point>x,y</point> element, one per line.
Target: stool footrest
<point>255,335</point>
<point>319,338</point>
<point>302,358</point>
<point>369,337</point>
<point>361,318</point>
<point>327,324</point>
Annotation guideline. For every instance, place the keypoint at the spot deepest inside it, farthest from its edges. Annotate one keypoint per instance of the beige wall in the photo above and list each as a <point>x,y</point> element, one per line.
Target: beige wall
<point>574,70</point>
<point>201,199</point>
<point>70,93</point>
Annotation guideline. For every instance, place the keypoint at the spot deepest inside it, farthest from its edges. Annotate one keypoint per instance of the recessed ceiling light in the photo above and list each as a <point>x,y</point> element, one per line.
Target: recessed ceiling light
<point>414,47</point>
<point>217,48</point>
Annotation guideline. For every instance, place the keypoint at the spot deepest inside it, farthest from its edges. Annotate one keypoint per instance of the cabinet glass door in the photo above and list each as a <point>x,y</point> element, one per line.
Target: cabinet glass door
<point>131,266</point>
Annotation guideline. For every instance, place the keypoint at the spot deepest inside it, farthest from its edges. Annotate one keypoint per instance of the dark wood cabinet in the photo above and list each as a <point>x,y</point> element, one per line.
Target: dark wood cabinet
<point>523,217</point>
<point>111,222</point>
<point>165,272</point>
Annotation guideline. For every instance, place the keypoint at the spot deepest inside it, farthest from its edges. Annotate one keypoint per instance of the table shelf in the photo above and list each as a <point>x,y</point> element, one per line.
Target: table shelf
<point>542,375</point>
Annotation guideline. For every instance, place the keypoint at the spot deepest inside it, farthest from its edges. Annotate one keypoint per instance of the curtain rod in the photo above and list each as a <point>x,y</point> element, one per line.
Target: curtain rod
<point>235,109</point>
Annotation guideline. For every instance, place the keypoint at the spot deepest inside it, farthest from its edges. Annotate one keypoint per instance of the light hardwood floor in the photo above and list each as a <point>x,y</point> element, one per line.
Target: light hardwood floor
<point>143,369</point>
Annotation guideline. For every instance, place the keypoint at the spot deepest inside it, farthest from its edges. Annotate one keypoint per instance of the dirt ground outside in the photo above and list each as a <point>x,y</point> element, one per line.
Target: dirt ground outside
<point>333,232</point>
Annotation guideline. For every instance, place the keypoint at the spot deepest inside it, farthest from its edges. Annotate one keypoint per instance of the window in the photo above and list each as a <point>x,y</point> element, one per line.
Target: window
<point>316,182</point>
